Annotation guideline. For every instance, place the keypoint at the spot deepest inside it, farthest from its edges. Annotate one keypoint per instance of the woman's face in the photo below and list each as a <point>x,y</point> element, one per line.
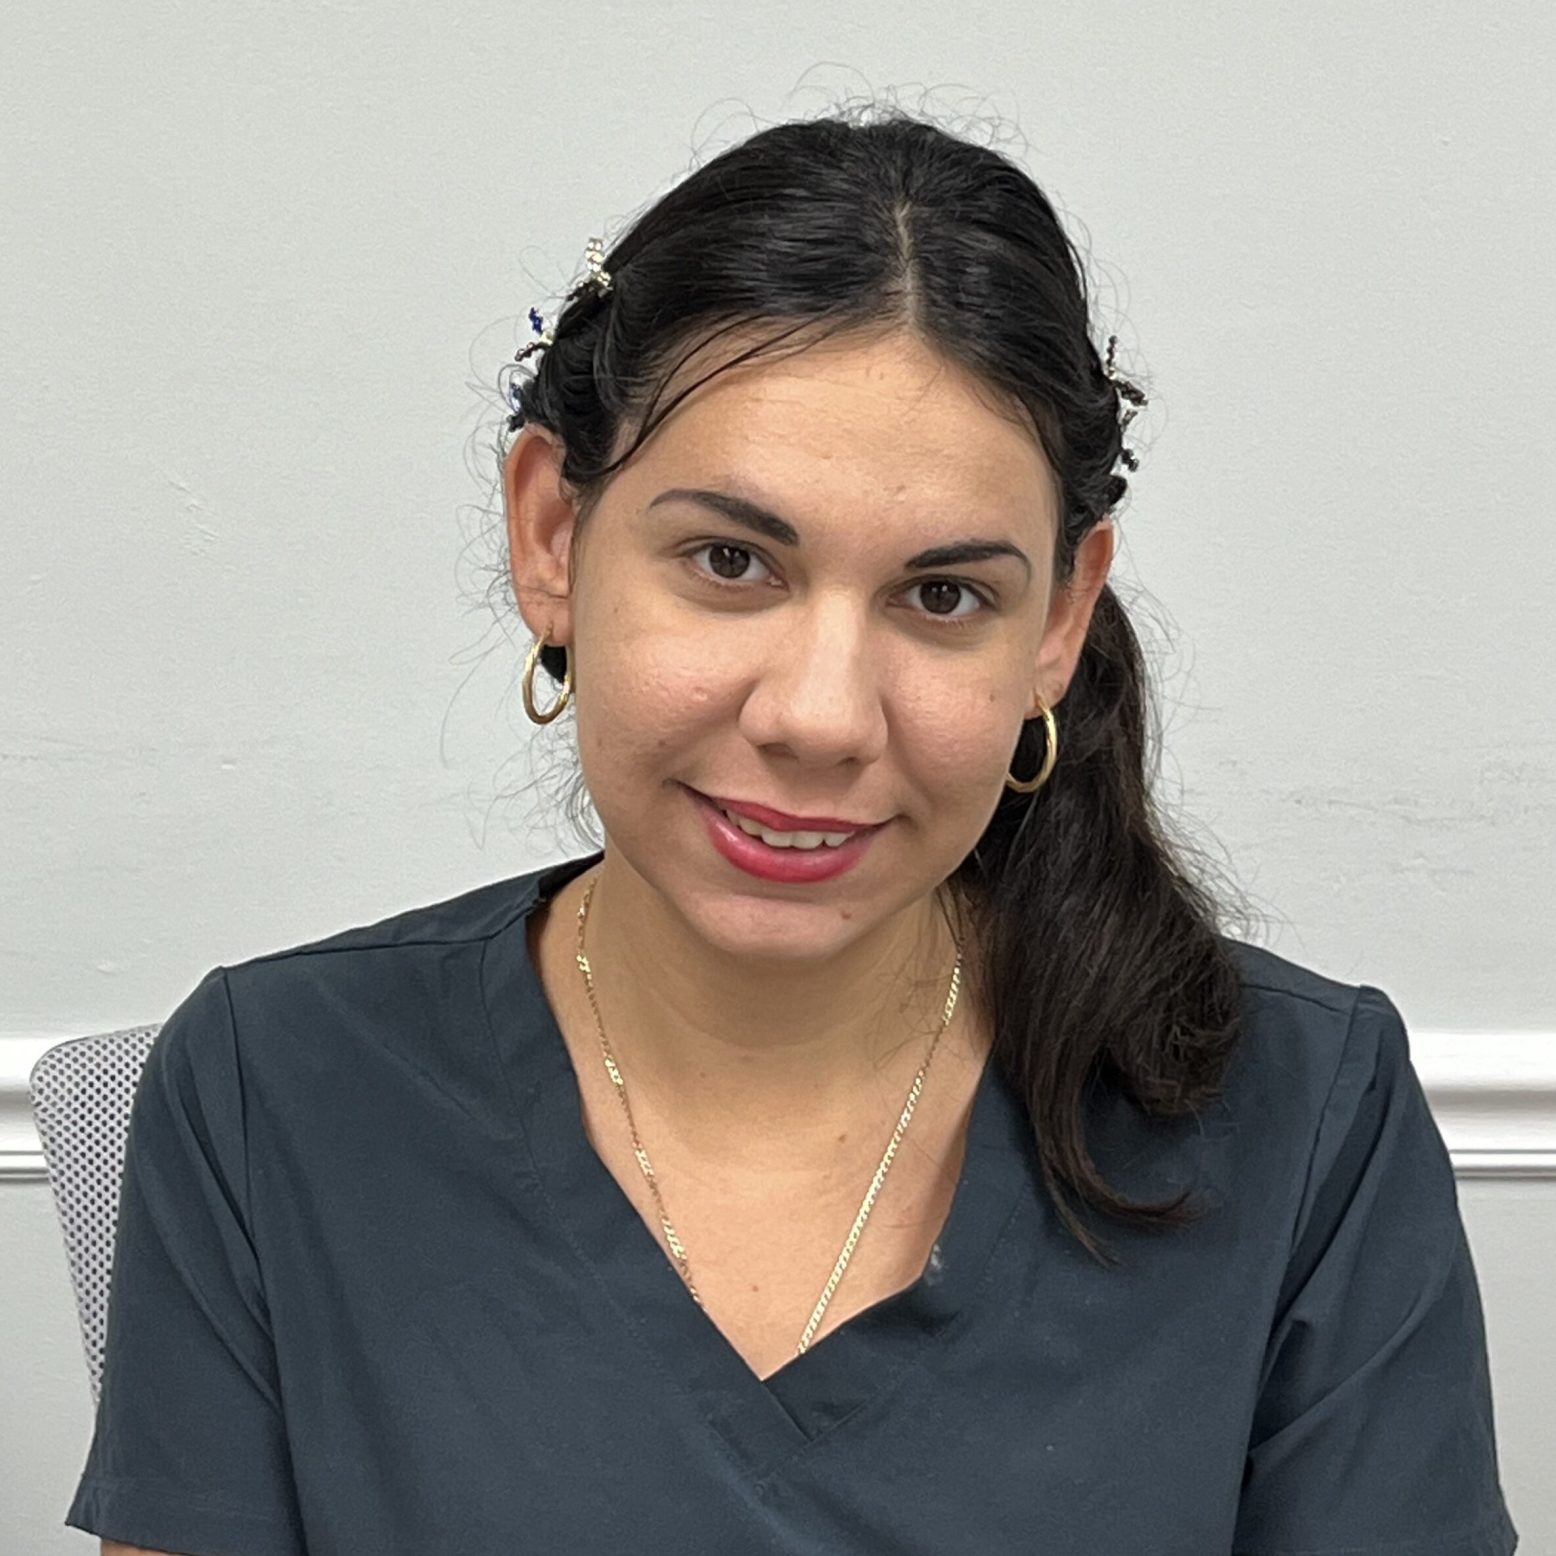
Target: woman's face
<point>815,664</point>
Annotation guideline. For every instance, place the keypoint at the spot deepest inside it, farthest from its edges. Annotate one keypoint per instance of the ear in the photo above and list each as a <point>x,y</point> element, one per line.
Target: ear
<point>1069,616</point>
<point>540,516</point>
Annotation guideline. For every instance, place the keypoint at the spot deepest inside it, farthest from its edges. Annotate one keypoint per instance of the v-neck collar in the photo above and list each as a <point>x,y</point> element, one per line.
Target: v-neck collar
<point>764,1420</point>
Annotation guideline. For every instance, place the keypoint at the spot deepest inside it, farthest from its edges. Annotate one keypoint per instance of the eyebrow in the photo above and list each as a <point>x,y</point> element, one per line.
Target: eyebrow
<point>763,521</point>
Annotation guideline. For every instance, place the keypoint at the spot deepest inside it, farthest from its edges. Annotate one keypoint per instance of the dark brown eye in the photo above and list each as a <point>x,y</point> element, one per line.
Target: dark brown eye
<point>728,563</point>
<point>938,592</point>
<point>721,559</point>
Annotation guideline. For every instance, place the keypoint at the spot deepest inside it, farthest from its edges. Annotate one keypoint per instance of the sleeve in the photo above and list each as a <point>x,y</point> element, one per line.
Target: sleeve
<point>189,1450</point>
<point>1373,1431</point>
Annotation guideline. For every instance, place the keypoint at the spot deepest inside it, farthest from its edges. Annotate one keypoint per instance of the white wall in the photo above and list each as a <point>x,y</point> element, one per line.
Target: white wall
<point>255,257</point>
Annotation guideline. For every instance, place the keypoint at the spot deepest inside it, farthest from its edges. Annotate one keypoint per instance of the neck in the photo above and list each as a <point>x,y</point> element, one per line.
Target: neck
<point>718,1041</point>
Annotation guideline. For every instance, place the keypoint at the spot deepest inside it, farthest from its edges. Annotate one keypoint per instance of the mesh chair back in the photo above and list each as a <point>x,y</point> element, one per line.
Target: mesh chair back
<point>81,1091</point>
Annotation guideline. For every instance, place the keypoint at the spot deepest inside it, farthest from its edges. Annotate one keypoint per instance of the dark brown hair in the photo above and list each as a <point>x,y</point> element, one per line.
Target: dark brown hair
<point>1105,964</point>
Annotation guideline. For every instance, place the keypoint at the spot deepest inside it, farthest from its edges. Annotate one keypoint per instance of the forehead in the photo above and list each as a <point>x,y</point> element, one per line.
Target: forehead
<point>881,416</point>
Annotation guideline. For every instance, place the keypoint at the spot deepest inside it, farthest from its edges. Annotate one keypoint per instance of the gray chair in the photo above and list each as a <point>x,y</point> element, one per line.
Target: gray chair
<point>81,1091</point>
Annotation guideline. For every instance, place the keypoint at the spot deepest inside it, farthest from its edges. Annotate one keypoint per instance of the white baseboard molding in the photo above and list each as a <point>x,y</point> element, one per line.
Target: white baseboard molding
<point>1493,1095</point>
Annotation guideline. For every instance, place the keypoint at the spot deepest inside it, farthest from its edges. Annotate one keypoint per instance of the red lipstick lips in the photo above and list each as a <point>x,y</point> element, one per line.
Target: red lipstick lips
<point>782,821</point>
<point>797,866</point>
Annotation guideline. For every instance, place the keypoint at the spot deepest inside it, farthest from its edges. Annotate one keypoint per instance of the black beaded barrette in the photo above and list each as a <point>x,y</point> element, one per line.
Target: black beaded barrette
<point>1130,392</point>
<point>598,278</point>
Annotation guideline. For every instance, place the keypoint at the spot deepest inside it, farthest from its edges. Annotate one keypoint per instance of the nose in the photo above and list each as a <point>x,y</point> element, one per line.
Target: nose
<point>817,698</point>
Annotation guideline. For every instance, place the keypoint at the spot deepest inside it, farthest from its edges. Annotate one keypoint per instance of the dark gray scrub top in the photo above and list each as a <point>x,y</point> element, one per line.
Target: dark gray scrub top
<point>374,1292</point>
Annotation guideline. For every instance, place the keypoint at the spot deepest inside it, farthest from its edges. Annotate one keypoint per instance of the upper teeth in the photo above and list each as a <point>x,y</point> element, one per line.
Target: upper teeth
<point>787,839</point>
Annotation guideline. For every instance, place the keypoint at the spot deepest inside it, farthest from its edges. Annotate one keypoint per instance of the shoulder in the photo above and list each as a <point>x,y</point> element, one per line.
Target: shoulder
<point>468,917</point>
<point>1320,1062</point>
<point>1299,1022</point>
<point>1303,1078</point>
<point>386,984</point>
<point>384,960</point>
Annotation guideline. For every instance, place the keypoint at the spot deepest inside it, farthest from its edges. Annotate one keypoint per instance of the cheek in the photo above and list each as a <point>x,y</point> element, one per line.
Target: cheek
<point>965,768</point>
<point>642,700</point>
<point>959,730</point>
<point>645,653</point>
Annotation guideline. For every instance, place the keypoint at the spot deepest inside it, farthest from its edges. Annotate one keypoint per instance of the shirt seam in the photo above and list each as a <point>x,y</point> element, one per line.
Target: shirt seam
<point>251,1231</point>
<point>386,943</point>
<point>1323,1113</point>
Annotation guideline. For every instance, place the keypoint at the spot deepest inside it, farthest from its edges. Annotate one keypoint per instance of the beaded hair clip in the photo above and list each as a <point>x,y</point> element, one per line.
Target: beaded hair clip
<point>1130,392</point>
<point>598,279</point>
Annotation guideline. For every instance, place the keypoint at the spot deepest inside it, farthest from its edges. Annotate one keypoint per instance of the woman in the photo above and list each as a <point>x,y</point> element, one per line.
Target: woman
<point>739,1186</point>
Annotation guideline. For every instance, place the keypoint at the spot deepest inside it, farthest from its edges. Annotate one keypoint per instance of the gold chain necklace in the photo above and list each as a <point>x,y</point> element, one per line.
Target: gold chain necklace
<point>653,1182</point>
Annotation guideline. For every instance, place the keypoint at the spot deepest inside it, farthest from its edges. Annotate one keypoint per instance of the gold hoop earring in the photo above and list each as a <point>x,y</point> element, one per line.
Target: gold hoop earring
<point>1049,758</point>
<point>527,686</point>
